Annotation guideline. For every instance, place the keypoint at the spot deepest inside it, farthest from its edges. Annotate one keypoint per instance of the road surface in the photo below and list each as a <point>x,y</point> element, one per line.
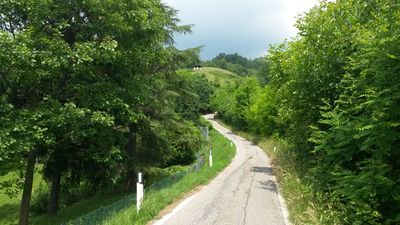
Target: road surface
<point>244,193</point>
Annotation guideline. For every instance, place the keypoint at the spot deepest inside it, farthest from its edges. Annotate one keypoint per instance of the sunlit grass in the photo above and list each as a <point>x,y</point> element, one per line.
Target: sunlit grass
<point>155,201</point>
<point>9,206</point>
<point>214,75</point>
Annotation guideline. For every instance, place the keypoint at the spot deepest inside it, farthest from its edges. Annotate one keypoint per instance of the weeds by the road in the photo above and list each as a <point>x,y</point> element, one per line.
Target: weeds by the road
<point>301,205</point>
<point>155,201</point>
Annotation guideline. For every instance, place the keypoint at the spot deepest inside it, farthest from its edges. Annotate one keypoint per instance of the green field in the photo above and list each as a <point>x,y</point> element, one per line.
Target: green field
<point>214,75</point>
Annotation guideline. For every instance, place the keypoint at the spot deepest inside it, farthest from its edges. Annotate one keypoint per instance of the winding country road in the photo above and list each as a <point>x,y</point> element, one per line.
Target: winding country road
<point>244,193</point>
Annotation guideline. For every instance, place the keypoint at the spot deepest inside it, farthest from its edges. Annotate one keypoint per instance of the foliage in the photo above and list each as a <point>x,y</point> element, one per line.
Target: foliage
<point>333,94</point>
<point>157,200</point>
<point>84,90</point>
<point>187,58</point>
<point>194,95</point>
<point>239,65</point>
<point>233,102</point>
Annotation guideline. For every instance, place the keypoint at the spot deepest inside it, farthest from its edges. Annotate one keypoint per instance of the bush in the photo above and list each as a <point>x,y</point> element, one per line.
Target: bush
<point>40,200</point>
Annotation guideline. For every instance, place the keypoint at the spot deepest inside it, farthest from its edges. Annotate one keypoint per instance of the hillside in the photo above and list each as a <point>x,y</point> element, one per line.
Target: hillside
<point>214,75</point>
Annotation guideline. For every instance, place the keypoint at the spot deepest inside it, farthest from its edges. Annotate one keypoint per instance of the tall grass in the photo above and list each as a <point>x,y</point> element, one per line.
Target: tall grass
<point>155,201</point>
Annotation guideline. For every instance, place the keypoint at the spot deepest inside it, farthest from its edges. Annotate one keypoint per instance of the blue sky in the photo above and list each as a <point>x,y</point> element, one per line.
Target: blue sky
<point>246,27</point>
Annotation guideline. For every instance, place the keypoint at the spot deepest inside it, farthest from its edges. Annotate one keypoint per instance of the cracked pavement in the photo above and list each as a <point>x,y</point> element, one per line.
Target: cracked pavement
<point>244,193</point>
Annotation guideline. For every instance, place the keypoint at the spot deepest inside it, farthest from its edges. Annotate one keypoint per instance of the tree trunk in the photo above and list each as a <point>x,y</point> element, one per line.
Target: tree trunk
<point>27,193</point>
<point>130,164</point>
<point>55,190</point>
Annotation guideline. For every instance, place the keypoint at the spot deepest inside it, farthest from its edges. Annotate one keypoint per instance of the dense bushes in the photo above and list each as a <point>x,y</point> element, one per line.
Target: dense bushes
<point>334,94</point>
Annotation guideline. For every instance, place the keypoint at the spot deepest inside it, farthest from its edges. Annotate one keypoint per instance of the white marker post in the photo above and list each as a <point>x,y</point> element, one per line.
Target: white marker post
<point>210,158</point>
<point>274,148</point>
<point>231,144</point>
<point>139,192</point>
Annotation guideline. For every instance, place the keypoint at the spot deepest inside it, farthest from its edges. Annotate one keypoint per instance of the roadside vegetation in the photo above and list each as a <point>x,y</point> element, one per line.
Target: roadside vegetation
<point>332,105</point>
<point>91,92</point>
<point>89,95</point>
<point>154,202</point>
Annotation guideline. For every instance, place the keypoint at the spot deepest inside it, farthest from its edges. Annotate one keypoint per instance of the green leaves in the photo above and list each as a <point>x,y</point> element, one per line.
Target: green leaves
<point>333,93</point>
<point>76,76</point>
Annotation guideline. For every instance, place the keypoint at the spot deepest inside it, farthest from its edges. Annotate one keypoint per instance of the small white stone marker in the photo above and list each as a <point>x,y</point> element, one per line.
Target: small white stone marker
<point>210,159</point>
<point>139,192</point>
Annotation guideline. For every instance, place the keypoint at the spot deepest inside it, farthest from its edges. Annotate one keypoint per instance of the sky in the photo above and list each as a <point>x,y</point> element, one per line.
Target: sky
<point>247,27</point>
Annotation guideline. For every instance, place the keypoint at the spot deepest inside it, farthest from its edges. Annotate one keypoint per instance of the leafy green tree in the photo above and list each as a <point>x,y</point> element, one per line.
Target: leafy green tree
<point>75,78</point>
<point>233,102</point>
<point>261,116</point>
<point>358,145</point>
<point>239,65</point>
<point>332,93</point>
<point>193,95</point>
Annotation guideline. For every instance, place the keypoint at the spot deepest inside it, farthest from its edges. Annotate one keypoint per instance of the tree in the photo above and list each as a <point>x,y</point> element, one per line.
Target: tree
<point>237,64</point>
<point>76,76</point>
<point>333,95</point>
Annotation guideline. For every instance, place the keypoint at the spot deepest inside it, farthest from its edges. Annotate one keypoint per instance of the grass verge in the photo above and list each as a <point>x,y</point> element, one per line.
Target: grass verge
<point>77,209</point>
<point>155,201</point>
<point>9,206</point>
<point>302,206</point>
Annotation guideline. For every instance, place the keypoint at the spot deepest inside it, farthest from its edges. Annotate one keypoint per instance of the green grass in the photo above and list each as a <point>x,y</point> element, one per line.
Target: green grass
<point>9,207</point>
<point>155,201</point>
<point>302,206</point>
<point>214,75</point>
<point>77,209</point>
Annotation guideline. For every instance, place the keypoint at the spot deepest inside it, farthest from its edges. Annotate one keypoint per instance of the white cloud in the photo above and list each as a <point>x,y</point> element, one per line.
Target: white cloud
<point>293,9</point>
<point>243,26</point>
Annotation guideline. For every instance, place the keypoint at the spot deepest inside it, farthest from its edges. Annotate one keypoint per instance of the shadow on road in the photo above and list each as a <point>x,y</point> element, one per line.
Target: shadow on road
<point>259,169</point>
<point>269,185</point>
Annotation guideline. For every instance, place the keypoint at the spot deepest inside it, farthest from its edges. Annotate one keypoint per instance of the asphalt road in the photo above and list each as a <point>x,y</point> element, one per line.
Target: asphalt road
<point>244,193</point>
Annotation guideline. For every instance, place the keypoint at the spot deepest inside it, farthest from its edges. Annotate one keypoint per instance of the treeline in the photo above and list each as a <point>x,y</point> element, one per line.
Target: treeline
<point>333,94</point>
<point>88,90</point>
<point>239,64</point>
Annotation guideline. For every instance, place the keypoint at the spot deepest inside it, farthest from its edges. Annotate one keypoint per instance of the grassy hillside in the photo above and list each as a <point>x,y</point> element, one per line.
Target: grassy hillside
<point>9,207</point>
<point>214,75</point>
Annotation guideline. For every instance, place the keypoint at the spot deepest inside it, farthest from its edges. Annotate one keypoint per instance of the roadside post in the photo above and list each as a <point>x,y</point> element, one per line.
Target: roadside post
<point>210,159</point>
<point>205,132</point>
<point>139,191</point>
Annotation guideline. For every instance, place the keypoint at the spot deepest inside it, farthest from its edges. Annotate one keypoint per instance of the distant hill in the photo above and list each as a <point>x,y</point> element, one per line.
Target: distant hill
<point>214,75</point>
